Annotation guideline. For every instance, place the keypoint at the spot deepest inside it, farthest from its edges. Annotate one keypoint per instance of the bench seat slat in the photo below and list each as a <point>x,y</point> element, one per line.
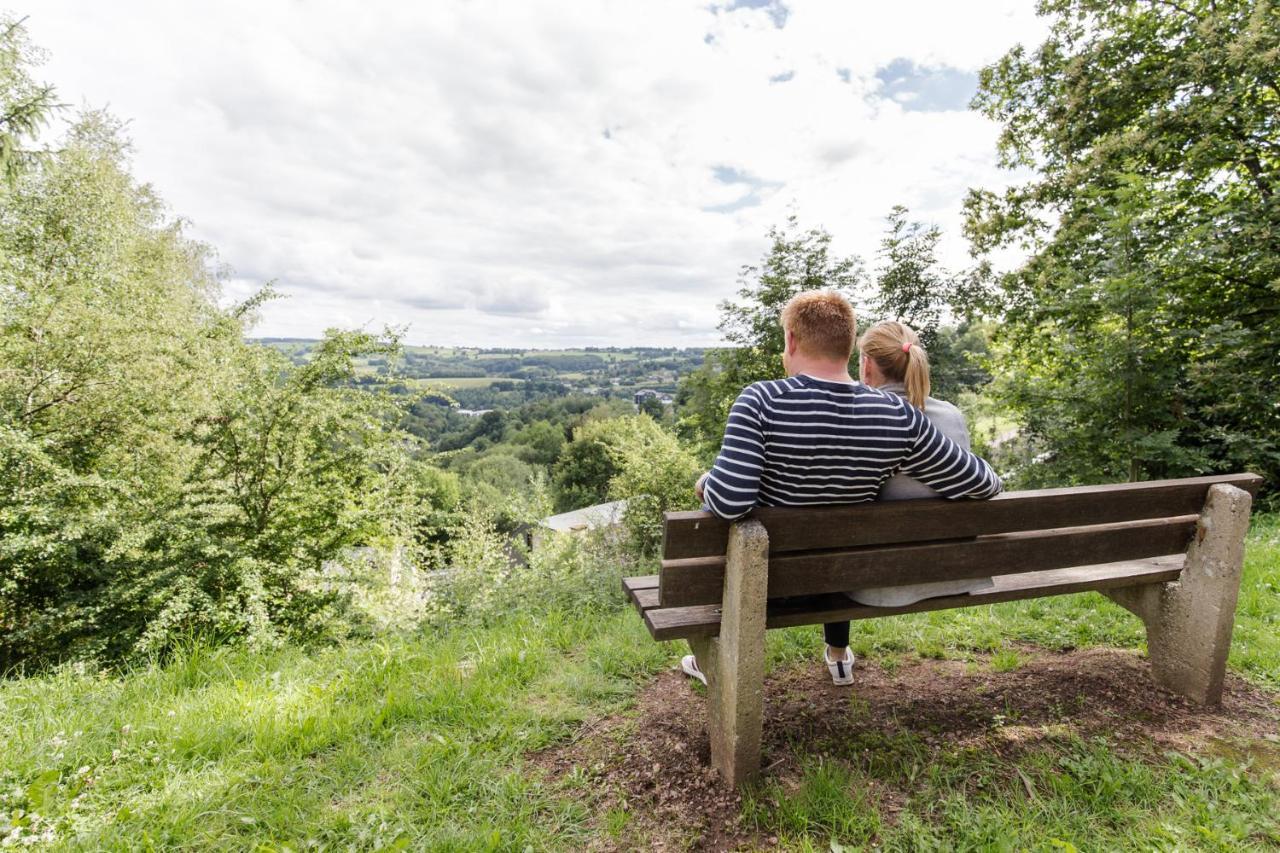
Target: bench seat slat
<point>688,582</point>
<point>700,534</point>
<point>641,585</point>
<point>672,623</point>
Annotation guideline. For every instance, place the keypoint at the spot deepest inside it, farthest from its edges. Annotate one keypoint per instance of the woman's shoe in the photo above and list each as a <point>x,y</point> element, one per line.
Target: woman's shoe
<point>689,664</point>
<point>841,670</point>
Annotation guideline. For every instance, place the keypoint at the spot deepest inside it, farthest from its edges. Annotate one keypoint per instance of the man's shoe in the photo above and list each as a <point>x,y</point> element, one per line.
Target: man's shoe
<point>689,664</point>
<point>841,670</point>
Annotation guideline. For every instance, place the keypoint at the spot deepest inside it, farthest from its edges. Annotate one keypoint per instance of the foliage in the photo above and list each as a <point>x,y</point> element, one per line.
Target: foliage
<point>158,476</point>
<point>491,575</point>
<point>589,463</point>
<point>958,359</point>
<point>796,261</point>
<point>655,474</point>
<point>540,443</point>
<point>1143,332</point>
<point>651,406</point>
<point>435,497</point>
<point>25,104</point>
<point>912,287</point>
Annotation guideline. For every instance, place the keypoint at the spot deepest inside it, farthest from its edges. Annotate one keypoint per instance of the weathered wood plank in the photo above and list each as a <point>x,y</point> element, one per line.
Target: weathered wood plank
<point>645,599</point>
<point>633,586</point>
<point>690,582</point>
<point>700,534</point>
<point>704,620</point>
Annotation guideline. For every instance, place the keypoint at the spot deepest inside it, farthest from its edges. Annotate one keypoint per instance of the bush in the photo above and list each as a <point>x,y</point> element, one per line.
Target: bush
<point>492,575</point>
<point>655,474</point>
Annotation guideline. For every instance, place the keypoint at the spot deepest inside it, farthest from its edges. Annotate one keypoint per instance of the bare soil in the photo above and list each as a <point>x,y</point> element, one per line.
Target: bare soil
<point>653,761</point>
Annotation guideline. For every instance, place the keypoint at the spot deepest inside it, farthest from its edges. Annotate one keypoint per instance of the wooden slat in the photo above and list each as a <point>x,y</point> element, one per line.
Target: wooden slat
<point>700,534</point>
<point>704,620</point>
<point>688,582</point>
<point>646,584</point>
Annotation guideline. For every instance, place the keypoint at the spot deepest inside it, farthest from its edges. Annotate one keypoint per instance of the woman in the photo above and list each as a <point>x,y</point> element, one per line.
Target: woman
<point>891,359</point>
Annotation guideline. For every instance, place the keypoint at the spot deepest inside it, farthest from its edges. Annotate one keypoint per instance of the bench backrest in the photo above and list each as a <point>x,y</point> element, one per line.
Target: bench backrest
<point>814,550</point>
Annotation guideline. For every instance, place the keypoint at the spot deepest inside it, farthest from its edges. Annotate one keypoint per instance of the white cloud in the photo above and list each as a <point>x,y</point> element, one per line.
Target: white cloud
<point>535,173</point>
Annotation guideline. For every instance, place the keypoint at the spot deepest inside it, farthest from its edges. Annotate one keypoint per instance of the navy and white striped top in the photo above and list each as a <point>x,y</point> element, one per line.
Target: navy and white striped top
<point>800,440</point>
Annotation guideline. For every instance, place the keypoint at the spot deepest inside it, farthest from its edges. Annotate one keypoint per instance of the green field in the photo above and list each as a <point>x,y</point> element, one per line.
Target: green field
<point>457,382</point>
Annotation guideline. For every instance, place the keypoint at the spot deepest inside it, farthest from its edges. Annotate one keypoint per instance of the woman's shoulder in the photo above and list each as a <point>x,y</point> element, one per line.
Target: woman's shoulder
<point>933,404</point>
<point>947,418</point>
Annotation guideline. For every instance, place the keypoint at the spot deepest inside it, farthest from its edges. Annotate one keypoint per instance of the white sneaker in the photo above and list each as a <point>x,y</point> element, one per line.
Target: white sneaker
<point>841,670</point>
<point>689,664</point>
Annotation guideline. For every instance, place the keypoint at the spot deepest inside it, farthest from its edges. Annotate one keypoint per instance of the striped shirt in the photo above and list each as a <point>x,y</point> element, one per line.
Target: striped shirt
<point>800,441</point>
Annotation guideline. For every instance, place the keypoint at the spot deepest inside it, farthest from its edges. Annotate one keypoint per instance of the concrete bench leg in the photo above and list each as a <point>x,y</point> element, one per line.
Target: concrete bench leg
<point>1189,621</point>
<point>734,661</point>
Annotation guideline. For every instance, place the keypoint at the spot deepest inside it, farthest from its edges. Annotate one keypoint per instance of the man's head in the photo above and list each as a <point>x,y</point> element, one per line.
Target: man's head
<point>819,326</point>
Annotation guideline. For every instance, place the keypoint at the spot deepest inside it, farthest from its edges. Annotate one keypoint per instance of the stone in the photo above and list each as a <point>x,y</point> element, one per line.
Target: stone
<point>734,661</point>
<point>1189,621</point>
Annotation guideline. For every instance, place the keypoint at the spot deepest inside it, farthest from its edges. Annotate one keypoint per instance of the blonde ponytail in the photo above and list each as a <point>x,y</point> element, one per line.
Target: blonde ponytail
<point>896,350</point>
<point>917,375</point>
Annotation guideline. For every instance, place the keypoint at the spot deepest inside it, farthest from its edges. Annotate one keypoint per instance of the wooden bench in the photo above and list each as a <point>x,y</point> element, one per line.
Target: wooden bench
<point>1170,551</point>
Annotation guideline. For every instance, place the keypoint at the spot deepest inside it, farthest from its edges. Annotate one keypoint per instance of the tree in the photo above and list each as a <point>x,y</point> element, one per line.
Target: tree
<point>797,261</point>
<point>541,443</point>
<point>1142,335</point>
<point>581,477</point>
<point>25,105</point>
<point>159,476</point>
<point>911,286</point>
<point>655,474</point>
<point>652,407</point>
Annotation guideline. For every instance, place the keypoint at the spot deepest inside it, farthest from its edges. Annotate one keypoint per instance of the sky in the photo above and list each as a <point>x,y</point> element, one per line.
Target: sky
<point>534,174</point>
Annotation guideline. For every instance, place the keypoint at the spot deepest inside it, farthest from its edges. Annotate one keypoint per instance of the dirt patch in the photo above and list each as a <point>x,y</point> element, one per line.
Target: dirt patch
<point>649,769</point>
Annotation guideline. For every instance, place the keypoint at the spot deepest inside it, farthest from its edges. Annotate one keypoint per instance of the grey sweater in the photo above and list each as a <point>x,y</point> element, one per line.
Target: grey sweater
<point>950,422</point>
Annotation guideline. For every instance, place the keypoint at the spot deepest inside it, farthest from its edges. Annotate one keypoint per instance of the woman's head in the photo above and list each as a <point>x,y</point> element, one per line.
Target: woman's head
<point>895,351</point>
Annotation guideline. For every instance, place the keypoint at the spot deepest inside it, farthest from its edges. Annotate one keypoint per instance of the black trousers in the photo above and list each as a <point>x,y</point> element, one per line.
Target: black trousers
<point>836,634</point>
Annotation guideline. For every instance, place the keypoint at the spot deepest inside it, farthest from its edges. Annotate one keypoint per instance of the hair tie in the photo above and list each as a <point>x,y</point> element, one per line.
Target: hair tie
<point>906,346</point>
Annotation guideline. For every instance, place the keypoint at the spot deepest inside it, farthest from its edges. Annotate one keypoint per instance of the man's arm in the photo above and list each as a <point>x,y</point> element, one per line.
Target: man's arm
<point>731,486</point>
<point>949,469</point>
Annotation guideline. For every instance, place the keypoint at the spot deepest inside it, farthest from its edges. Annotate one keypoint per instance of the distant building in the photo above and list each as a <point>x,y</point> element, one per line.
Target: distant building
<point>649,394</point>
<point>580,520</point>
<point>474,413</point>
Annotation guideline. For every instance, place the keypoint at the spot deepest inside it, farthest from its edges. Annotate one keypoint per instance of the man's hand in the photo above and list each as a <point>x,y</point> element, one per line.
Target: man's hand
<point>698,488</point>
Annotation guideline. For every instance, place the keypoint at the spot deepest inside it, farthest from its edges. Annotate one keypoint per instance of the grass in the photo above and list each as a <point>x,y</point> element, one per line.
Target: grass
<point>411,739</point>
<point>422,742</point>
<point>1073,794</point>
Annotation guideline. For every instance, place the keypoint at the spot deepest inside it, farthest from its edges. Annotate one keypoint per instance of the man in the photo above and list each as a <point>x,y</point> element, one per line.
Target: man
<point>819,437</point>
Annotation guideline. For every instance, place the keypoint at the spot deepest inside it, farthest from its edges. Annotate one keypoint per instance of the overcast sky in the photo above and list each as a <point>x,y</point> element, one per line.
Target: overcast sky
<point>534,173</point>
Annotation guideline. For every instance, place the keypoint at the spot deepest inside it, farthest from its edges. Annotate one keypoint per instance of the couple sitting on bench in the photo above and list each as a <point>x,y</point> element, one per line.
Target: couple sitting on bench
<point>820,437</point>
